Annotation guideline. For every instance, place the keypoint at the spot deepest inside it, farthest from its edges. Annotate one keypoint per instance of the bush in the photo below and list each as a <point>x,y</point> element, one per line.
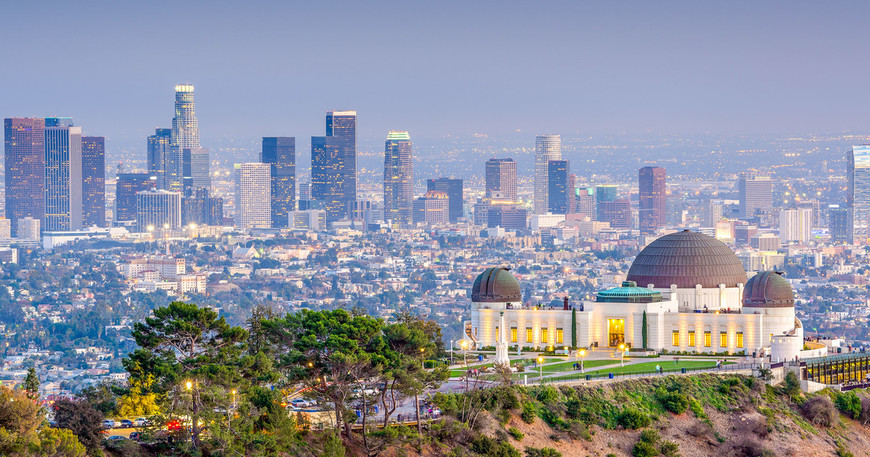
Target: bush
<point>792,384</point>
<point>849,404</point>
<point>670,449</point>
<point>529,413</point>
<point>548,395</point>
<point>516,433</point>
<point>646,447</point>
<point>632,419</point>
<point>673,401</point>
<point>490,447</point>
<point>542,452</point>
<point>820,411</point>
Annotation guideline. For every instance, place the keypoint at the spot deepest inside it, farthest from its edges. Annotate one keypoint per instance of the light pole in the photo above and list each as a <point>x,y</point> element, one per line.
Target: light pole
<point>581,353</point>
<point>622,354</point>
<point>234,398</point>
<point>541,369</point>
<point>422,364</point>
<point>451,352</point>
<point>464,345</point>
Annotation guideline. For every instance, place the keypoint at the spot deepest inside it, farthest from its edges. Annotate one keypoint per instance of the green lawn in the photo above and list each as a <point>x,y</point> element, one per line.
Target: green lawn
<point>644,367</point>
<point>569,366</point>
<point>459,372</point>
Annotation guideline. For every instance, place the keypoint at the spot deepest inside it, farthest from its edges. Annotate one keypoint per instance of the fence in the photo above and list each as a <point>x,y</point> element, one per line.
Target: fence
<point>733,367</point>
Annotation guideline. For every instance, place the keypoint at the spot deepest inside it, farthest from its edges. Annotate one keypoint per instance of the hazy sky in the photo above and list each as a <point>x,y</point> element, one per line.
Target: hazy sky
<point>441,67</point>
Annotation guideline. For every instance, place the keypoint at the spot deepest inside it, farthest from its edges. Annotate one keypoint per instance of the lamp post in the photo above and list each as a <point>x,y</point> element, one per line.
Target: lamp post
<point>451,352</point>
<point>234,398</point>
<point>422,363</point>
<point>541,369</point>
<point>464,345</point>
<point>622,354</point>
<point>581,353</point>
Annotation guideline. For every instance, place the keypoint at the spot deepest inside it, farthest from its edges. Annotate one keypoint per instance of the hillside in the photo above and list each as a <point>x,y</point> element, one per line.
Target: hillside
<point>676,415</point>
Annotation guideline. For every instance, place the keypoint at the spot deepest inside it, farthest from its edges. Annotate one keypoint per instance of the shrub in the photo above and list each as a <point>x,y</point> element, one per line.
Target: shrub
<point>548,395</point>
<point>670,449</point>
<point>697,409</point>
<point>632,419</point>
<point>792,386</point>
<point>644,449</point>
<point>516,433</point>
<point>673,401</point>
<point>820,411</point>
<point>849,404</point>
<point>490,447</point>
<point>542,452</point>
<point>528,414</point>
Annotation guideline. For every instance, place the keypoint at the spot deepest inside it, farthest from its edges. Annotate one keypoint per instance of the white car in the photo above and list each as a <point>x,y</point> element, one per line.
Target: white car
<point>140,422</point>
<point>300,403</point>
<point>108,424</point>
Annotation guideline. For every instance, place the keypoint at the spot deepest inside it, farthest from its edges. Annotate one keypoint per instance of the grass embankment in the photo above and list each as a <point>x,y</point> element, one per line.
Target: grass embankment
<point>644,368</point>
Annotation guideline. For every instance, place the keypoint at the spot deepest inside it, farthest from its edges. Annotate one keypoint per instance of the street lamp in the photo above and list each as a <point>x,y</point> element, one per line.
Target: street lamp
<point>234,398</point>
<point>464,345</point>
<point>581,353</point>
<point>541,369</point>
<point>189,385</point>
<point>451,352</point>
<point>422,363</point>
<point>622,354</point>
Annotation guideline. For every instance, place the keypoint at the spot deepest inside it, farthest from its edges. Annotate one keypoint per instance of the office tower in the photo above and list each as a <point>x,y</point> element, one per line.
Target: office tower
<point>59,122</point>
<point>558,175</point>
<point>454,191</point>
<point>585,198</point>
<point>93,181</point>
<point>714,213</point>
<point>507,217</point>
<point>432,209</point>
<point>214,211</point>
<point>858,192</point>
<point>755,192</point>
<point>24,141</point>
<point>195,172</point>
<point>63,179</point>
<point>398,178</point>
<point>341,125</point>
<point>653,205</point>
<point>547,148</point>
<point>333,164</point>
<point>313,220</point>
<point>360,210</point>
<point>128,185</point>
<point>29,228</point>
<point>159,155</point>
<point>616,212</point>
<point>840,223</point>
<point>743,233</point>
<point>253,196</point>
<point>796,225</point>
<point>158,209</point>
<point>184,135</point>
<point>280,153</point>
<point>5,231</point>
<point>572,194</point>
<point>194,208</point>
<point>604,194</point>
<point>501,177</point>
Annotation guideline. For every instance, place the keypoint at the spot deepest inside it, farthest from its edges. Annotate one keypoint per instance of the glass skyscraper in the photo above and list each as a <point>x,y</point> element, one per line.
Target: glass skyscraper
<point>454,191</point>
<point>93,181</point>
<point>280,153</point>
<point>253,196</point>
<point>653,192</point>
<point>63,179</point>
<point>24,141</point>
<point>858,192</point>
<point>398,178</point>
<point>184,134</point>
<point>195,170</point>
<point>158,155</point>
<point>158,209</point>
<point>501,177</point>
<point>558,176</point>
<point>547,148</point>
<point>128,185</point>
<point>333,164</point>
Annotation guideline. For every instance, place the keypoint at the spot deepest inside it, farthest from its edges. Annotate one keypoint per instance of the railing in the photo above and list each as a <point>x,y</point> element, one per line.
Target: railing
<point>665,371</point>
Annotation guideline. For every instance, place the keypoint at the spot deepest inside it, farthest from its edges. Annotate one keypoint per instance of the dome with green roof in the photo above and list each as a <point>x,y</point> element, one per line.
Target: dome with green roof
<point>629,293</point>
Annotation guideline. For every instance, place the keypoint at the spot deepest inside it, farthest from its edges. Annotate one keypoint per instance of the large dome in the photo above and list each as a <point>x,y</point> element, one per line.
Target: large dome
<point>496,285</point>
<point>768,289</point>
<point>686,259</point>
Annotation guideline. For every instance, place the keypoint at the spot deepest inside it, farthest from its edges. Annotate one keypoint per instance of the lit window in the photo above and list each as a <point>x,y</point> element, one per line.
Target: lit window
<point>675,338</point>
<point>708,339</point>
<point>544,335</point>
<point>691,339</point>
<point>513,334</point>
<point>529,335</point>
<point>558,336</point>
<point>723,339</point>
<point>740,339</point>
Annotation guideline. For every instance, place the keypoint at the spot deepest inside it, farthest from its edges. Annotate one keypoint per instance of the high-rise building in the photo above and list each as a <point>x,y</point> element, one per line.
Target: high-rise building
<point>184,135</point>
<point>796,225</point>
<point>253,196</point>
<point>280,154</point>
<point>29,228</point>
<point>858,192</point>
<point>312,220</point>
<point>214,214</point>
<point>653,190</point>
<point>195,172</point>
<point>93,181</point>
<point>616,212</point>
<point>840,223</point>
<point>755,192</point>
<point>128,185</point>
<point>547,148</point>
<point>507,217</point>
<point>159,155</point>
<point>341,125</point>
<point>501,177</point>
<point>24,141</point>
<point>63,179</point>
<point>333,164</point>
<point>558,180</point>
<point>454,191</point>
<point>432,209</point>
<point>58,122</point>
<point>158,209</point>
<point>398,178</point>
<point>585,201</point>
<point>5,231</point>
<point>604,194</point>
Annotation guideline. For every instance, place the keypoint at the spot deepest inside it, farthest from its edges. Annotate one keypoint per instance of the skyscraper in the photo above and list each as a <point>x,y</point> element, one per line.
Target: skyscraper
<point>93,181</point>
<point>63,179</point>
<point>653,199</point>
<point>755,192</point>
<point>604,194</point>
<point>431,209</point>
<point>253,196</point>
<point>195,173</point>
<point>184,135</point>
<point>398,178</point>
<point>128,185</point>
<point>858,192</point>
<point>333,164</point>
<point>840,223</point>
<point>24,141</point>
<point>501,177</point>
<point>158,209</point>
<point>454,191</point>
<point>616,212</point>
<point>158,155</point>
<point>796,225</point>
<point>547,148</point>
<point>280,154</point>
<point>558,177</point>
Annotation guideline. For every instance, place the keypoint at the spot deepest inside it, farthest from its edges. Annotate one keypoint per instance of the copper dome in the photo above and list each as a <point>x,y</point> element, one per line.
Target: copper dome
<point>497,285</point>
<point>686,259</point>
<point>768,289</point>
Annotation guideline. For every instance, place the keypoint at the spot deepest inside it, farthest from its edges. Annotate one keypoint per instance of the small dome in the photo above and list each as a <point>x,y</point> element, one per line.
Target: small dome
<point>687,259</point>
<point>768,289</point>
<point>496,285</point>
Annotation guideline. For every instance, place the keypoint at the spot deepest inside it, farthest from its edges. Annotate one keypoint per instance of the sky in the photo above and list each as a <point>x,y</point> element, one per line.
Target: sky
<point>438,68</point>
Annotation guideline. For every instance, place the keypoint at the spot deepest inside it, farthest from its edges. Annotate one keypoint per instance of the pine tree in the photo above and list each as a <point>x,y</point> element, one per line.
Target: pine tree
<point>573,328</point>
<point>643,331</point>
<point>31,384</point>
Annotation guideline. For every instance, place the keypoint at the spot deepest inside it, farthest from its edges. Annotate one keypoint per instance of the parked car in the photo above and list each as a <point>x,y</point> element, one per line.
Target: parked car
<point>107,424</point>
<point>116,438</point>
<point>126,423</point>
<point>300,403</point>
<point>135,436</point>
<point>140,422</point>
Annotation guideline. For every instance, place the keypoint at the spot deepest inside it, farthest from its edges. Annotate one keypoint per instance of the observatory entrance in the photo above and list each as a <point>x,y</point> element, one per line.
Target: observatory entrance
<point>615,332</point>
